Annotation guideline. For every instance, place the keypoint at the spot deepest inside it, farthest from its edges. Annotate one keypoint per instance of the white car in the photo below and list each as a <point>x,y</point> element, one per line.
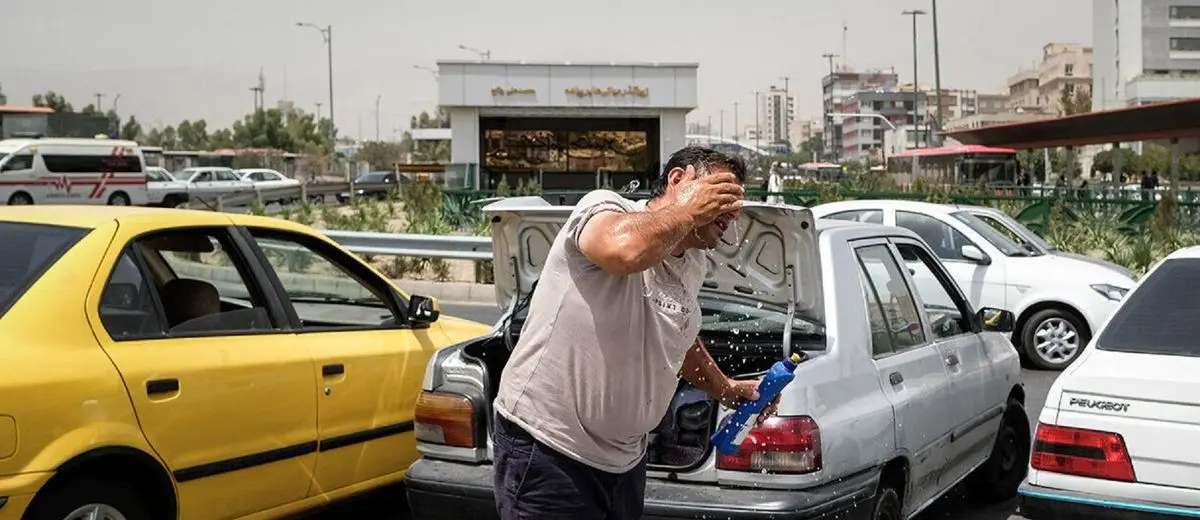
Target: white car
<point>164,190</point>
<point>1059,301</point>
<point>210,182</point>
<point>266,179</point>
<point>1118,435</point>
<point>1024,236</point>
<point>902,395</point>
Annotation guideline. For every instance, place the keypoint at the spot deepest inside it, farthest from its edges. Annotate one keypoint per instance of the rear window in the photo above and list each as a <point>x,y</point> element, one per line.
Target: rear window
<point>1160,316</point>
<point>29,249</point>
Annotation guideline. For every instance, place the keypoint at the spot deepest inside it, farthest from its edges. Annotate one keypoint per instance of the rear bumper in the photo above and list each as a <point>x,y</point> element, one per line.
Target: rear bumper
<point>453,491</point>
<point>1040,503</point>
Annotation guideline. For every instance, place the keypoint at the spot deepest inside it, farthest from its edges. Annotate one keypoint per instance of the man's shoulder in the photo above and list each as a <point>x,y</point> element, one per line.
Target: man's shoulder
<point>604,196</point>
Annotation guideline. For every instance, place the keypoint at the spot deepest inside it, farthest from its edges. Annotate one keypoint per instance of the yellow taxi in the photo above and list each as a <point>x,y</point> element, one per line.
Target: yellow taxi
<point>163,364</point>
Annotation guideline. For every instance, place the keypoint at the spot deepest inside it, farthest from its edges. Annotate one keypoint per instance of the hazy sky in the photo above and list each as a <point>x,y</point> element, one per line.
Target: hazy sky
<point>172,60</point>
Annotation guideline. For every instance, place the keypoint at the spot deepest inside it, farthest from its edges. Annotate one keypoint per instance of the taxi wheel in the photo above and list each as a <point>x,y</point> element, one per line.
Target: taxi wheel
<point>88,498</point>
<point>999,477</point>
<point>887,505</point>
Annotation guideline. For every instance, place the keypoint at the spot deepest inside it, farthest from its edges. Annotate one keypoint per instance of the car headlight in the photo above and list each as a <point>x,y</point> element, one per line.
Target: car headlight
<point>1111,292</point>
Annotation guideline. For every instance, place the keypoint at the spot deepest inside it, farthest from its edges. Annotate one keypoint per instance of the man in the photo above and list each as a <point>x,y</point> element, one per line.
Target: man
<point>611,327</point>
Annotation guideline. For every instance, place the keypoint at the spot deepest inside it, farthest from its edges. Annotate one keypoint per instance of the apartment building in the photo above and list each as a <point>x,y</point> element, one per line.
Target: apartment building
<point>1147,51</point>
<point>837,88</point>
<point>776,112</point>
<point>863,136</point>
<point>802,131</point>
<point>1063,67</point>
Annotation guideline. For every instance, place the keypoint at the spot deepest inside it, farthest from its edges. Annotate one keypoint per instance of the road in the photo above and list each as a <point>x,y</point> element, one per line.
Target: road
<point>389,504</point>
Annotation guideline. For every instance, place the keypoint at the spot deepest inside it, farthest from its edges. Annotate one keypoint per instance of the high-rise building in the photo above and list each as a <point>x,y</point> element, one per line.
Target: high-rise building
<point>1146,51</point>
<point>839,86</point>
<point>776,112</point>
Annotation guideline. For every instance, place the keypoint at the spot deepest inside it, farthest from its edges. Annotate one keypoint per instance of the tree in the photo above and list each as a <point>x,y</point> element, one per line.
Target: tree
<point>53,101</point>
<point>1075,99</point>
<point>132,130</point>
<point>90,110</point>
<point>193,135</point>
<point>381,155</point>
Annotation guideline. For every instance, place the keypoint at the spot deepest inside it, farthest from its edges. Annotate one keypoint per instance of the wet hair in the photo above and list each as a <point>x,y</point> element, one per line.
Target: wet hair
<point>703,159</point>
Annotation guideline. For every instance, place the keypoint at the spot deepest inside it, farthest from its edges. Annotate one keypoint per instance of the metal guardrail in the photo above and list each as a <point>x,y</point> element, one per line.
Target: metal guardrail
<point>407,244</point>
<point>301,192</point>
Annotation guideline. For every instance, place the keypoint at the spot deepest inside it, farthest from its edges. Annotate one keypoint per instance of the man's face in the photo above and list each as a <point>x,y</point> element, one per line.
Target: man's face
<point>708,236</point>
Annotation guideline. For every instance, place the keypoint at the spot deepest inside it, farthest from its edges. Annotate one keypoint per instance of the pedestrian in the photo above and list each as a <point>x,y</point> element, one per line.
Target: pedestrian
<point>611,327</point>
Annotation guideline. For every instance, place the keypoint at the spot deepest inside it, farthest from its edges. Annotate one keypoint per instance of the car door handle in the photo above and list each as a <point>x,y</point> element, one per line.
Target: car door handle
<point>162,386</point>
<point>952,360</point>
<point>333,370</point>
<point>895,378</point>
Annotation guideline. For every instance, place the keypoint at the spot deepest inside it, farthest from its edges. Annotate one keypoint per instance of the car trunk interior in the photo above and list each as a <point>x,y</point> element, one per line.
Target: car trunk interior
<point>680,443</point>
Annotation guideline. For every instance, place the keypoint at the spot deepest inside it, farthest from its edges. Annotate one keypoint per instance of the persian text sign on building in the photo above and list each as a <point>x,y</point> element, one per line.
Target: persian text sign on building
<point>550,85</point>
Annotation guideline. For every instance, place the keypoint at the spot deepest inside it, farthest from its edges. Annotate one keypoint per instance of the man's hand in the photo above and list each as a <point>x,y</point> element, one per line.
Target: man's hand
<point>735,392</point>
<point>703,199</point>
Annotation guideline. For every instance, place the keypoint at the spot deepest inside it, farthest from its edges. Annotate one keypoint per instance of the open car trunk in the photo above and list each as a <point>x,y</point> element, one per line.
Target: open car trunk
<point>764,274</point>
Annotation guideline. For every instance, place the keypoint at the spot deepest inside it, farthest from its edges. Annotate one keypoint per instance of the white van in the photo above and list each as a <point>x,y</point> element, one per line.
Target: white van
<point>71,171</point>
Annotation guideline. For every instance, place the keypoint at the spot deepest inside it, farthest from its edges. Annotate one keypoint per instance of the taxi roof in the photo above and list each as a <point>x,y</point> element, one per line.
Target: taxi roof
<point>92,217</point>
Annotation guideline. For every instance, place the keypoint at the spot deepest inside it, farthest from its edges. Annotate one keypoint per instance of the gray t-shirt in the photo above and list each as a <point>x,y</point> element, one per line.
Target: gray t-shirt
<point>598,360</point>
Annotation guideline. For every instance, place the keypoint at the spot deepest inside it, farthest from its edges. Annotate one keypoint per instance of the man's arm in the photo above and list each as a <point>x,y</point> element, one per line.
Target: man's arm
<point>627,243</point>
<point>700,370</point>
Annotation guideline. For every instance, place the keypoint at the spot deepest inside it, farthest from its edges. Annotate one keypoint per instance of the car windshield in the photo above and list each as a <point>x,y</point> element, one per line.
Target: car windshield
<point>1159,317</point>
<point>157,175</point>
<point>372,177</point>
<point>1015,231</point>
<point>989,233</point>
<point>29,250</point>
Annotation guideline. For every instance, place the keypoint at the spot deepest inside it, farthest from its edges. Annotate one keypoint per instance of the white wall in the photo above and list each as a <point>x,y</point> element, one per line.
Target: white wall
<point>501,84</point>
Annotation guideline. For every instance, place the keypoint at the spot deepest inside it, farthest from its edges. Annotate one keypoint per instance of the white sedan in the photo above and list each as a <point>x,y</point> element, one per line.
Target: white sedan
<point>1117,437</point>
<point>1059,300</point>
<point>267,179</point>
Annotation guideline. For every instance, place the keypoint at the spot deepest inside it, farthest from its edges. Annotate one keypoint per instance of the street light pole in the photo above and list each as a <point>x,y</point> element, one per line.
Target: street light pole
<point>486,55</point>
<point>722,131</point>
<point>757,125</point>
<point>937,71</point>
<point>427,69</point>
<point>916,89</point>
<point>327,36</point>
<point>378,97</point>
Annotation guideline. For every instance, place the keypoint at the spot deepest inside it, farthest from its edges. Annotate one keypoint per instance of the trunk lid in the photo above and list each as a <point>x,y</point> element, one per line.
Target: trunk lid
<point>1152,401</point>
<point>769,256</point>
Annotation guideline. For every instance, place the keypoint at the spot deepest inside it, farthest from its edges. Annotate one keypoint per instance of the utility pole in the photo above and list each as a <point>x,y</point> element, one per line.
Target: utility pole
<point>99,102</point>
<point>916,89</point>
<point>378,97</point>
<point>318,103</point>
<point>830,57</point>
<point>721,133</point>
<point>709,132</point>
<point>736,130</point>
<point>937,72</point>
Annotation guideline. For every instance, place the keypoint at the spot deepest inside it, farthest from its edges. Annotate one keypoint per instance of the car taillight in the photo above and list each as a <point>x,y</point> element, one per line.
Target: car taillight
<point>447,419</point>
<point>780,445</point>
<point>1085,453</point>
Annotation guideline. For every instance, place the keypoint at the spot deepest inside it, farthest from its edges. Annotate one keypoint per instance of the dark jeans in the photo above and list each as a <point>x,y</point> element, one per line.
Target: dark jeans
<point>534,482</point>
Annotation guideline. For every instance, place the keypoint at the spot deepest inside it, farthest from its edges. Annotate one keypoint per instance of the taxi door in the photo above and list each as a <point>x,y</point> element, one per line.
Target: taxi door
<point>367,365</point>
<point>221,395</point>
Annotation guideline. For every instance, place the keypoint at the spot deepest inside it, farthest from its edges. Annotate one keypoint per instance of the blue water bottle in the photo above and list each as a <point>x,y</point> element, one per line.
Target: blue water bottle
<point>737,425</point>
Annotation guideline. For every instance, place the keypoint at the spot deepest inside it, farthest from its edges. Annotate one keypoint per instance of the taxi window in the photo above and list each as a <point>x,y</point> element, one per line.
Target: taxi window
<point>29,250</point>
